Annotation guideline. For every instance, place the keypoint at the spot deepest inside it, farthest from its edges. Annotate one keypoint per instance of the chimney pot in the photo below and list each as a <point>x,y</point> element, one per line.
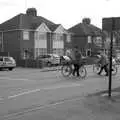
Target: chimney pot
<point>31,11</point>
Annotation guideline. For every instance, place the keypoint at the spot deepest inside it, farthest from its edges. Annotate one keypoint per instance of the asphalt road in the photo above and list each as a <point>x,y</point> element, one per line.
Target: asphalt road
<point>26,91</point>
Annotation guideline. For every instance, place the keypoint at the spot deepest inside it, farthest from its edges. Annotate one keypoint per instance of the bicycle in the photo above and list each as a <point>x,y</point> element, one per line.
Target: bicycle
<point>97,67</point>
<point>67,69</point>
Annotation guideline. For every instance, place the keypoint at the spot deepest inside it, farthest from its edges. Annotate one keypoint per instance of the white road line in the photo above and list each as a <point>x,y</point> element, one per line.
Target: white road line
<point>38,90</point>
<point>18,114</point>
<point>8,78</point>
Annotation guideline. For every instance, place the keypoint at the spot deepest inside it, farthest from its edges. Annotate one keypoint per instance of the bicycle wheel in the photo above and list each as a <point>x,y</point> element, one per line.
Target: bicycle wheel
<point>82,72</point>
<point>66,70</point>
<point>96,68</point>
<point>114,69</point>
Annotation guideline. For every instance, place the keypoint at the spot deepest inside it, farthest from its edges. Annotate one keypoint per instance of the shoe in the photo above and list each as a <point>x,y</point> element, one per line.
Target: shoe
<point>106,75</point>
<point>73,74</point>
<point>112,69</point>
<point>98,73</point>
<point>78,75</point>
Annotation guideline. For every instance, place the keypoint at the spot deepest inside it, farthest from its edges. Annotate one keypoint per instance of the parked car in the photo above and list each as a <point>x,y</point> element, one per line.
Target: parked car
<point>7,62</point>
<point>50,59</point>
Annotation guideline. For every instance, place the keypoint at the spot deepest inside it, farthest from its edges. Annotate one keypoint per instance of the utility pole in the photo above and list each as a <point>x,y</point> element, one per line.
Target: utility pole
<point>110,65</point>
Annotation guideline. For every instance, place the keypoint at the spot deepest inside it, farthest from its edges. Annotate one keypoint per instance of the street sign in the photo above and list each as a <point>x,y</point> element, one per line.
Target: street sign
<point>108,26</point>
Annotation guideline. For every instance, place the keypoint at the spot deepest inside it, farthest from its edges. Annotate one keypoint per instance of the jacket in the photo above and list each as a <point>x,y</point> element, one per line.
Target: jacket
<point>103,61</point>
<point>76,56</point>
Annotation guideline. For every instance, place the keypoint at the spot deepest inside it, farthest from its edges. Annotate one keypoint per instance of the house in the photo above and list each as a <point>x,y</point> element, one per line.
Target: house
<point>87,37</point>
<point>28,36</point>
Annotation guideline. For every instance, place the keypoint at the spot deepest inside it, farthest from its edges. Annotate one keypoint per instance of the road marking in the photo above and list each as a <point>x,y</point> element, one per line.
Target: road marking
<point>18,114</point>
<point>47,88</point>
<point>8,78</point>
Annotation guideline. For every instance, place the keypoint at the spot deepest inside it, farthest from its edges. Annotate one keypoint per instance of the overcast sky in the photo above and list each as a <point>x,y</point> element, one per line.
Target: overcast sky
<point>65,12</point>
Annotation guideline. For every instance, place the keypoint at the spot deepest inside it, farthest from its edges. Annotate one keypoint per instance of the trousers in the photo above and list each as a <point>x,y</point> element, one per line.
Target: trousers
<point>76,69</point>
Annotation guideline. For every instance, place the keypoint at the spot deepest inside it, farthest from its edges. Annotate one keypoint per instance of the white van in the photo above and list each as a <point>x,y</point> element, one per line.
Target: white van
<point>7,62</point>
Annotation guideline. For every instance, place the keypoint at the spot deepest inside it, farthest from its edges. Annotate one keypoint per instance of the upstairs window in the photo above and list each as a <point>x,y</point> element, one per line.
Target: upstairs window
<point>25,35</point>
<point>58,37</point>
<point>89,39</point>
<point>97,41</point>
<point>68,38</point>
<point>42,36</point>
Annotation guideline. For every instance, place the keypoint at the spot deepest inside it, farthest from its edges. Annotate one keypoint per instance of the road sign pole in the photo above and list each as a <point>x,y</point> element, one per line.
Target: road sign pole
<point>110,65</point>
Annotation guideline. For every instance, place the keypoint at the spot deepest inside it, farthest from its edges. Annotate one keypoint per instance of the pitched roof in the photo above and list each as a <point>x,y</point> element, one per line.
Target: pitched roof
<point>12,23</point>
<point>32,22</point>
<point>24,21</point>
<point>85,29</point>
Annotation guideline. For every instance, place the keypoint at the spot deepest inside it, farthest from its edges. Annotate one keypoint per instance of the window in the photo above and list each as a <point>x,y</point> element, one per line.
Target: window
<point>68,38</point>
<point>88,52</point>
<point>40,51</point>
<point>42,36</point>
<point>58,37</point>
<point>58,51</point>
<point>97,41</point>
<point>7,59</point>
<point>37,52</point>
<point>25,35</point>
<point>54,37</point>
<point>89,39</point>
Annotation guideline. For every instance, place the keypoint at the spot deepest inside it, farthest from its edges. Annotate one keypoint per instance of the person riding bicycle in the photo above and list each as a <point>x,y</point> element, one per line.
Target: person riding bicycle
<point>104,63</point>
<point>76,59</point>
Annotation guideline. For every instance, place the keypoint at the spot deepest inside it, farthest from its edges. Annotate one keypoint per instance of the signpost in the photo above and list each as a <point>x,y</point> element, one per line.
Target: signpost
<point>109,26</point>
<point>110,66</point>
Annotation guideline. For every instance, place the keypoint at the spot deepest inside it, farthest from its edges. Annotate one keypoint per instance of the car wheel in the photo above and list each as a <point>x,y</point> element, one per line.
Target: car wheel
<point>10,69</point>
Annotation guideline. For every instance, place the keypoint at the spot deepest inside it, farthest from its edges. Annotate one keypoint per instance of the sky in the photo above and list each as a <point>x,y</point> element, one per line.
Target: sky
<point>65,12</point>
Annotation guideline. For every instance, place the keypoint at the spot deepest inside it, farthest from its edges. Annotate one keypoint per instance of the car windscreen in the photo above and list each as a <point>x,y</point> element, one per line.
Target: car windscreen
<point>9,59</point>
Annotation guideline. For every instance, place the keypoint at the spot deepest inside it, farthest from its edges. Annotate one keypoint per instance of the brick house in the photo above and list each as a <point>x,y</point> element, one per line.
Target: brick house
<point>28,35</point>
<point>87,37</point>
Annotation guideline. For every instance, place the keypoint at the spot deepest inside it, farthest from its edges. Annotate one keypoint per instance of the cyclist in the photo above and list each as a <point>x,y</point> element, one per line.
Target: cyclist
<point>76,59</point>
<point>104,63</point>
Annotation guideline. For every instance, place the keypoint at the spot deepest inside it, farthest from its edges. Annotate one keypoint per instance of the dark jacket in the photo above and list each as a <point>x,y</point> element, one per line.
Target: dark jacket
<point>103,61</point>
<point>76,56</point>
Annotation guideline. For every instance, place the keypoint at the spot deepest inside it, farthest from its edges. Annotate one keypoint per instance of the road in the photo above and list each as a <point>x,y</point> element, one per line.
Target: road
<point>24,90</point>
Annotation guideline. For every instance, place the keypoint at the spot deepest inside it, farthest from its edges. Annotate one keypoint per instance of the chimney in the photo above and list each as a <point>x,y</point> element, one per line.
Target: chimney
<point>31,12</point>
<point>86,21</point>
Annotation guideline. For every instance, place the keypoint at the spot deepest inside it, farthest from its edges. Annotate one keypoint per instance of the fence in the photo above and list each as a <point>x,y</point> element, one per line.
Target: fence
<point>30,63</point>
